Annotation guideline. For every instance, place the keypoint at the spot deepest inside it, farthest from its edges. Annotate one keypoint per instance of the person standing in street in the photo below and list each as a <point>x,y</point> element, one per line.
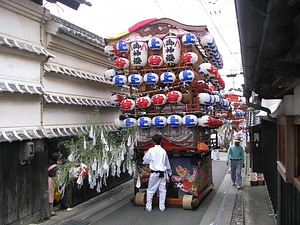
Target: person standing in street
<point>235,156</point>
<point>159,165</point>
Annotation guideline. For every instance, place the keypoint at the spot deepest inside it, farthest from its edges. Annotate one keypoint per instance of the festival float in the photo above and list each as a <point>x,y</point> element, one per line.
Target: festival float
<point>170,85</point>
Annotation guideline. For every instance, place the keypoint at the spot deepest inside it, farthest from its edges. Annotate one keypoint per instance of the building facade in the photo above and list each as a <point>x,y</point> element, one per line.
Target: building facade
<point>51,83</point>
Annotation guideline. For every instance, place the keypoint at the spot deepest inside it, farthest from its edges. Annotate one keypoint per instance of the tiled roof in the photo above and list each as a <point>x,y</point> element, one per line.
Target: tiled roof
<point>78,32</point>
<point>37,49</point>
<point>49,67</point>
<point>52,132</point>
<point>60,99</point>
<point>21,88</point>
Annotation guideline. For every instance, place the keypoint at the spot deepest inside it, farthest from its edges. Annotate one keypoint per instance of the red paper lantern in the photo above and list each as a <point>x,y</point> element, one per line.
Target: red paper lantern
<point>174,96</point>
<point>159,99</point>
<point>155,61</point>
<point>122,63</point>
<point>143,102</point>
<point>127,104</point>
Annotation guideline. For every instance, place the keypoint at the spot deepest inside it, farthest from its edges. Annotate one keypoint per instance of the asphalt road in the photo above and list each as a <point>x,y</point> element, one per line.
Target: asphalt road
<point>118,210</point>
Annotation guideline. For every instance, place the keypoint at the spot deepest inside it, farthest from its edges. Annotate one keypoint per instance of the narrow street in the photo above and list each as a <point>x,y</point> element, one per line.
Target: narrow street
<point>114,207</point>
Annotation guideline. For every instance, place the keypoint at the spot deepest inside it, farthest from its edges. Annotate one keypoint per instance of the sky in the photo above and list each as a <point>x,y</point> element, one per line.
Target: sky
<point>110,17</point>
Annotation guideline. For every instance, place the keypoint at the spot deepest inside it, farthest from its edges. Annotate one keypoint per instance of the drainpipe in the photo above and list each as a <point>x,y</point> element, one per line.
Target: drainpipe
<point>267,110</point>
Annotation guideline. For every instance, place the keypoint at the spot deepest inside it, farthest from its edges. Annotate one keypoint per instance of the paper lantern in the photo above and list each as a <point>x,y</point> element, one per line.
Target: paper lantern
<point>174,96</point>
<point>167,77</point>
<point>127,104</point>
<point>151,78</point>
<point>159,121</point>
<point>122,46</point>
<point>206,99</point>
<point>218,99</point>
<point>174,120</point>
<point>171,50</point>
<point>130,122</point>
<point>111,51</point>
<point>155,61</point>
<point>115,99</point>
<point>143,102</point>
<point>189,39</point>
<point>206,69</point>
<point>138,53</point>
<point>135,79</point>
<point>109,74</point>
<point>186,76</point>
<point>122,63</point>
<point>144,122</point>
<point>155,43</point>
<point>207,41</point>
<point>190,120</point>
<point>159,99</point>
<point>120,80</point>
<point>189,58</point>
<point>203,121</point>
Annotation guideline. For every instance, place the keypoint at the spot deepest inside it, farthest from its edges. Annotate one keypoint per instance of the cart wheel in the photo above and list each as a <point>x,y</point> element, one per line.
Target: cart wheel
<point>187,201</point>
<point>140,198</point>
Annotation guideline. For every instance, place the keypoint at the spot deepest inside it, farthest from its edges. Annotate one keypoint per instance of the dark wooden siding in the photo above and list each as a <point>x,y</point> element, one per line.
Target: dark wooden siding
<point>23,187</point>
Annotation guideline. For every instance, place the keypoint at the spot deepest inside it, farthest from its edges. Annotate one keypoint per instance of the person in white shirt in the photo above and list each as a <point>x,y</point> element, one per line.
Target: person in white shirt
<point>159,165</point>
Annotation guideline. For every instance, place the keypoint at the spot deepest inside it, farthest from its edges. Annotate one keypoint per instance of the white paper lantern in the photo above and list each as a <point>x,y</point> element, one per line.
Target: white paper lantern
<point>122,63</point>
<point>159,99</point>
<point>151,78</point>
<point>174,96</point>
<point>122,46</point>
<point>159,121</point>
<point>109,74</point>
<point>143,102</point>
<point>186,76</point>
<point>167,77</point>
<point>130,122</point>
<point>155,43</point>
<point>135,79</point>
<point>144,122</point>
<point>205,98</point>
<point>203,121</point>
<point>190,120</point>
<point>189,39</point>
<point>115,99</point>
<point>171,49</point>
<point>138,53</point>
<point>120,80</point>
<point>174,120</point>
<point>127,104</point>
<point>189,58</point>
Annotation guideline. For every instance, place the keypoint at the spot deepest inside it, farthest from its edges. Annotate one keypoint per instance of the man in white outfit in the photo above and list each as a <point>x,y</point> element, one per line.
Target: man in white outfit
<point>159,165</point>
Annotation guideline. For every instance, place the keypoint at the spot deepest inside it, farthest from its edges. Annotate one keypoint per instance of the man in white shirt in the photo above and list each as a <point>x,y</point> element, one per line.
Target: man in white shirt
<point>158,161</point>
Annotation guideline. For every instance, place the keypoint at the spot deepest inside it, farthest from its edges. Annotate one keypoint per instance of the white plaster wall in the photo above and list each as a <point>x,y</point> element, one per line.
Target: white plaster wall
<point>62,84</point>
<point>58,114</point>
<point>23,28</point>
<point>19,110</point>
<point>19,68</point>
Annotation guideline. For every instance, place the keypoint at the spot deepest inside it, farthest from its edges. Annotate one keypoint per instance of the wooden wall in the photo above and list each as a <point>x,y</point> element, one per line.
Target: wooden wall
<point>22,187</point>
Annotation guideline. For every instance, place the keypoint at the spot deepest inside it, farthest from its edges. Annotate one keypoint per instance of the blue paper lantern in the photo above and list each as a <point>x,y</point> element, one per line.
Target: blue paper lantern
<point>174,120</point>
<point>186,76</point>
<point>167,77</point>
<point>190,120</point>
<point>151,78</point>
<point>135,79</point>
<point>159,121</point>
<point>129,122</point>
<point>122,47</point>
<point>155,43</point>
<point>120,80</point>
<point>144,122</point>
<point>189,39</point>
